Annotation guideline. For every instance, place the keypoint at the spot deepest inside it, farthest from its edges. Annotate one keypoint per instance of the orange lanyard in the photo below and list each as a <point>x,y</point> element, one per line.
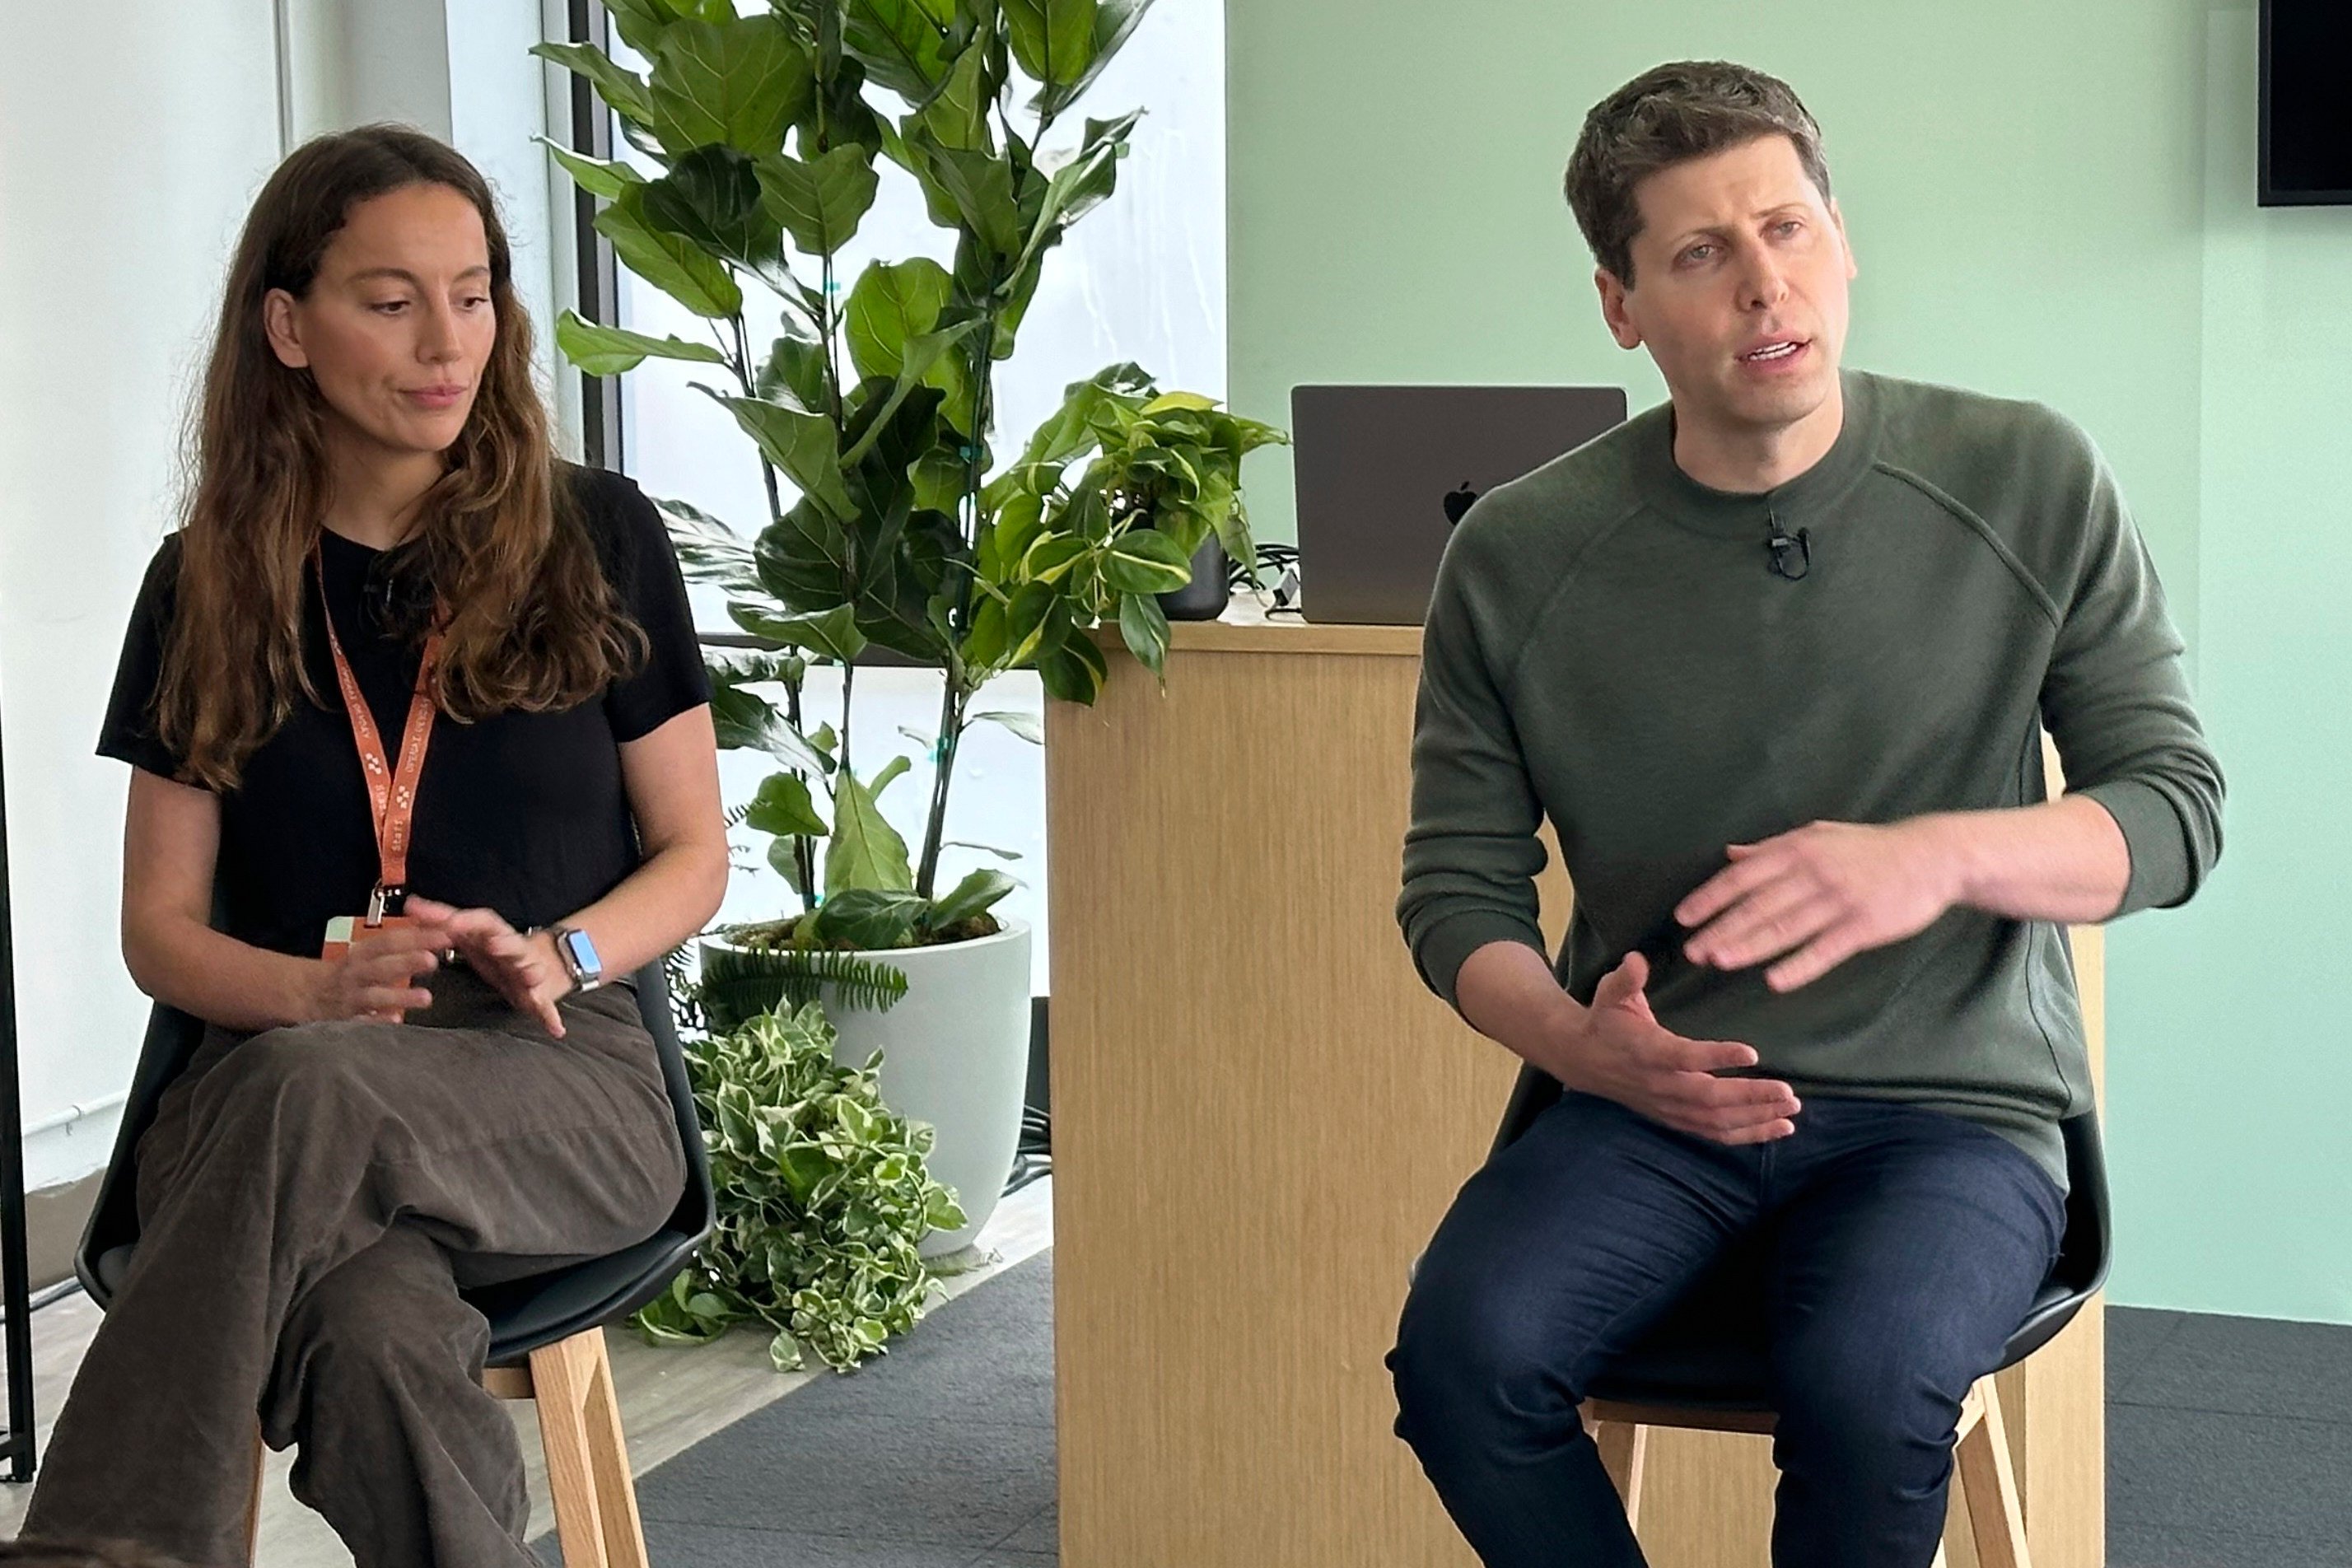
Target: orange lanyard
<point>391,787</point>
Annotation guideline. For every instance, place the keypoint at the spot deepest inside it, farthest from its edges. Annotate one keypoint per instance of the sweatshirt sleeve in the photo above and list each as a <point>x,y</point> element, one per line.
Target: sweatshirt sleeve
<point>1471,854</point>
<point>2116,702</point>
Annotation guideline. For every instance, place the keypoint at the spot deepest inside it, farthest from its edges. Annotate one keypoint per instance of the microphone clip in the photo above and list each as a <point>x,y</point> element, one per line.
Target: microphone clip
<point>1791,557</point>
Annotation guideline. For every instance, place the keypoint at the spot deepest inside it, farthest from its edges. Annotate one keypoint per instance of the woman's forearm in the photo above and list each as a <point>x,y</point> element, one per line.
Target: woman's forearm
<point>668,898</point>
<point>185,963</point>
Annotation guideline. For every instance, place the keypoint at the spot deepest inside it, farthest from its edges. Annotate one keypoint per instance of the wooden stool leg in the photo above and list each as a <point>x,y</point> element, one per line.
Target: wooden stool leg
<point>1989,1484</point>
<point>587,1464</point>
<point>1623,1445</point>
<point>253,1507</point>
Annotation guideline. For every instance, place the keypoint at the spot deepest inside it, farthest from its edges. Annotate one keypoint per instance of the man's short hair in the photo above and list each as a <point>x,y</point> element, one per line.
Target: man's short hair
<point>1668,115</point>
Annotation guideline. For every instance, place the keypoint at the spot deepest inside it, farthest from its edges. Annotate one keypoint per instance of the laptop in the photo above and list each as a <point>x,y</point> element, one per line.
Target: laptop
<point>1384,472</point>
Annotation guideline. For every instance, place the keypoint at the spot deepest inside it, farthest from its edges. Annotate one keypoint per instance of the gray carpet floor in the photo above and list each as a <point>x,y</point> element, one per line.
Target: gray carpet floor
<point>940,1455</point>
<point>2229,1446</point>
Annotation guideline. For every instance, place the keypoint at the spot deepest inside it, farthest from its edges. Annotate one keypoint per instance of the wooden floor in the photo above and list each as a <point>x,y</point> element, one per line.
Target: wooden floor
<point>670,1399</point>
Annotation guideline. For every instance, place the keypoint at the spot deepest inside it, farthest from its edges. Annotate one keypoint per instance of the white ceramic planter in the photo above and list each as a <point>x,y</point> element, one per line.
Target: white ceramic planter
<point>955,1054</point>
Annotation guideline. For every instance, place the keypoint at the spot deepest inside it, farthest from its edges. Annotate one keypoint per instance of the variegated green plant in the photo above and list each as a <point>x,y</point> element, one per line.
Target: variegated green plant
<point>822,1199</point>
<point>869,414</point>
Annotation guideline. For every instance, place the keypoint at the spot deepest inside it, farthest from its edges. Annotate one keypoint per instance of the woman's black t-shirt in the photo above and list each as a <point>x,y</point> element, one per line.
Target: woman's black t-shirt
<point>521,813</point>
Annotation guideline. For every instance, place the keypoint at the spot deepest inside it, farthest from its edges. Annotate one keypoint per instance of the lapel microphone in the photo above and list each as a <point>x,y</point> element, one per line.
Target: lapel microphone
<point>1791,557</point>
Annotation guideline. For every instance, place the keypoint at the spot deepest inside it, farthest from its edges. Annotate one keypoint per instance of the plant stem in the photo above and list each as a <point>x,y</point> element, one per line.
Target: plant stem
<point>952,721</point>
<point>803,847</point>
<point>804,857</point>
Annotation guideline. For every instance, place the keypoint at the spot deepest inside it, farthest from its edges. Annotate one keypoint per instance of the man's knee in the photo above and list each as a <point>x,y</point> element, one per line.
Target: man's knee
<point>1870,1411</point>
<point>1473,1352</point>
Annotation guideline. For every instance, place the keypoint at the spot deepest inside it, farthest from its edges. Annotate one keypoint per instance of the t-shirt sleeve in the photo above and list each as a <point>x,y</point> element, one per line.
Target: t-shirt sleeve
<point>672,679</point>
<point>127,732</point>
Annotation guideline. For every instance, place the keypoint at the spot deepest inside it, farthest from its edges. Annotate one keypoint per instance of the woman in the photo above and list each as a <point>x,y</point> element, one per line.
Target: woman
<point>434,1090</point>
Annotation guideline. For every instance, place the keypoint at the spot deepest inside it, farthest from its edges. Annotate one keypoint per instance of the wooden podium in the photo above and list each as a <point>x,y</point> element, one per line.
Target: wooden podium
<point>1260,1115</point>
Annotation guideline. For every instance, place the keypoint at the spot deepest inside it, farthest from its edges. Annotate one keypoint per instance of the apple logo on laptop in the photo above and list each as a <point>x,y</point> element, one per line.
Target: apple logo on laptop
<point>1457,503</point>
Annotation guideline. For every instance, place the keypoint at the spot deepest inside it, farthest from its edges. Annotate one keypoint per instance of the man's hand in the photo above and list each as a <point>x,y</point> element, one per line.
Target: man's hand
<point>1815,897</point>
<point>1620,1052</point>
<point>525,969</point>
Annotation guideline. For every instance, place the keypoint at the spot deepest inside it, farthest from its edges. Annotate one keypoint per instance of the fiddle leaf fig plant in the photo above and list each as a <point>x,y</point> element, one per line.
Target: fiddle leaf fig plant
<point>869,411</point>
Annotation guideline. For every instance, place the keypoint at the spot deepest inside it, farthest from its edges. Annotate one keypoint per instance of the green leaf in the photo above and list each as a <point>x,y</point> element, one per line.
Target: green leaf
<point>1143,625</point>
<point>987,646</point>
<point>971,897</point>
<point>921,353</point>
<point>957,114</point>
<point>972,189</point>
<point>743,81</point>
<point>891,303</point>
<point>669,262</point>
<point>904,44</point>
<point>594,175</point>
<point>711,196</point>
<point>610,351</point>
<point>873,918</point>
<point>1070,430</point>
<point>784,859</point>
<point>1026,725</point>
<point>865,851</point>
<point>890,771</point>
<point>783,806</point>
<point>984,848</point>
<point>1115,22</point>
<point>795,374</point>
<point>1168,401</point>
<point>819,202</point>
<point>708,550</point>
<point>1051,555</point>
<point>748,722</point>
<point>1082,184</point>
<point>1075,671</point>
<point>1053,40</point>
<point>832,633</point>
<point>802,445</point>
<point>616,85</point>
<point>1145,561</point>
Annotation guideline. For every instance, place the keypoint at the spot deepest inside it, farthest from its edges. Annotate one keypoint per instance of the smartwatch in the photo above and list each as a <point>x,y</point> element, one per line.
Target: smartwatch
<point>579,956</point>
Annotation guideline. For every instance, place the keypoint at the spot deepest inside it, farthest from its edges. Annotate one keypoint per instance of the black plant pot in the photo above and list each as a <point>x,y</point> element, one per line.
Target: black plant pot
<point>1205,596</point>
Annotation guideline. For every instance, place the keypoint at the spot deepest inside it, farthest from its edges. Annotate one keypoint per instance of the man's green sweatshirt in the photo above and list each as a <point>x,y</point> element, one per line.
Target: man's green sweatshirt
<point>1609,645</point>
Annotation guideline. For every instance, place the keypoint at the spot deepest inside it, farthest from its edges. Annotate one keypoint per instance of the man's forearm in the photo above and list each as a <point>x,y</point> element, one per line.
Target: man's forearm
<point>1509,994</point>
<point>2064,860</point>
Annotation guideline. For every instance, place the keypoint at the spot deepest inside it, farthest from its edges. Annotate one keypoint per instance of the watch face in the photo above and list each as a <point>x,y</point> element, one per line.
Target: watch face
<point>583,952</point>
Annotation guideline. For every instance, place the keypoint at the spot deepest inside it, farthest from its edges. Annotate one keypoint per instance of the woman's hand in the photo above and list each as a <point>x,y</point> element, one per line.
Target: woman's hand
<point>525,969</point>
<point>377,976</point>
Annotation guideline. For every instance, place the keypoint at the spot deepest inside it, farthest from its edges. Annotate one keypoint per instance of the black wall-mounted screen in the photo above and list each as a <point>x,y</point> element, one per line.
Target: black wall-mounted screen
<point>2307,102</point>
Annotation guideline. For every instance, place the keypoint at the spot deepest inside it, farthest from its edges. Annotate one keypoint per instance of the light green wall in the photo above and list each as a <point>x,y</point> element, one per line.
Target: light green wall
<point>2046,201</point>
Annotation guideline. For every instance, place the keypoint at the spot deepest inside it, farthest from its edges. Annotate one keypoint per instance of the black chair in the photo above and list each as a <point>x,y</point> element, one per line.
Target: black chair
<point>1703,1367</point>
<point>546,1331</point>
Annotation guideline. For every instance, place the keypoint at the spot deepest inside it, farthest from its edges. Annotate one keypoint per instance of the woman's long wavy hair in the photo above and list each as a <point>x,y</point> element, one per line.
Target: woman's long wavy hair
<point>532,622</point>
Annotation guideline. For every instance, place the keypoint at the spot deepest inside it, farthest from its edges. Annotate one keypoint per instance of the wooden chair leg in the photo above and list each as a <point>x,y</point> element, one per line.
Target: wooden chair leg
<point>253,1505</point>
<point>1989,1482</point>
<point>587,1463</point>
<point>1623,1445</point>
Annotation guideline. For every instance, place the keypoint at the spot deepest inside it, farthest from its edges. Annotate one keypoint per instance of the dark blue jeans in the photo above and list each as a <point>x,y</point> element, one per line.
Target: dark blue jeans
<point>1899,1249</point>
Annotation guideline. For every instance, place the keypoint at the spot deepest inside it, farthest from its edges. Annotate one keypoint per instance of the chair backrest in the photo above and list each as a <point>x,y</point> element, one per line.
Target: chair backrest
<point>172,1040</point>
<point>2082,1253</point>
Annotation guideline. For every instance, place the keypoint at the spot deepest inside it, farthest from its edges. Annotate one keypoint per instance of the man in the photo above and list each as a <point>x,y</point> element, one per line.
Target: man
<point>1774,659</point>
